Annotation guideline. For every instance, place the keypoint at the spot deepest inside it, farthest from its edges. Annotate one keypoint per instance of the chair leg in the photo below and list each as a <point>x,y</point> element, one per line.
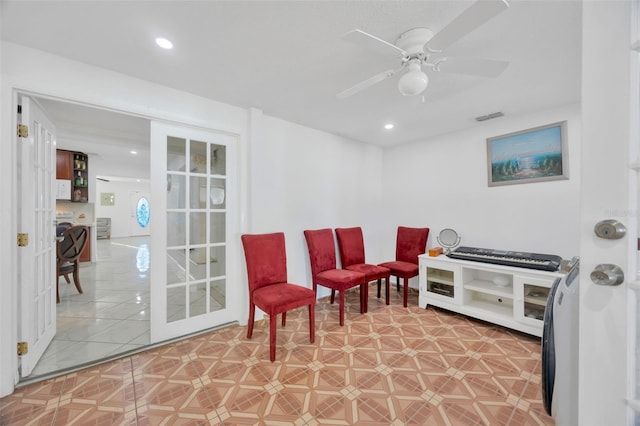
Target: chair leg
<point>284,319</point>
<point>386,289</point>
<point>66,277</point>
<point>342,308</point>
<point>272,336</point>
<point>333,295</point>
<point>406,292</point>
<point>379,282</point>
<point>398,283</point>
<point>252,312</point>
<point>58,289</point>
<point>76,280</point>
<point>364,295</point>
<point>312,322</point>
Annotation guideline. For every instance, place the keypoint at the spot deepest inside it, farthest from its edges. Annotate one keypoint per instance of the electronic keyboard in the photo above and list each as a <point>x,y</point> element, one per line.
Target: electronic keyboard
<point>544,262</point>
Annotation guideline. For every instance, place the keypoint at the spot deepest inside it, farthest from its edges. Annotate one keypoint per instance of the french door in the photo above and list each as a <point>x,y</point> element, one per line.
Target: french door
<point>36,218</point>
<point>193,218</point>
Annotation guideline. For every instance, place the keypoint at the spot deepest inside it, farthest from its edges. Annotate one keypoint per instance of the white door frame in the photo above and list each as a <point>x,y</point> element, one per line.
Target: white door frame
<point>9,313</point>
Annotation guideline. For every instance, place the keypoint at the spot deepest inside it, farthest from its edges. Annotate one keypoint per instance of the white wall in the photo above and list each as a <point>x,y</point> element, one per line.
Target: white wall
<point>442,183</point>
<point>120,212</point>
<point>303,178</point>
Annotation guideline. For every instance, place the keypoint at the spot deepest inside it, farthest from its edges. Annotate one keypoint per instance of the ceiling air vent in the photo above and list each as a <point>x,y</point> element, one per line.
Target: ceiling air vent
<point>489,116</point>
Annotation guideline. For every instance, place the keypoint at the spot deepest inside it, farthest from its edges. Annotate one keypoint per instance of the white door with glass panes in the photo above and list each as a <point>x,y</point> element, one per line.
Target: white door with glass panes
<point>194,211</point>
<point>36,218</point>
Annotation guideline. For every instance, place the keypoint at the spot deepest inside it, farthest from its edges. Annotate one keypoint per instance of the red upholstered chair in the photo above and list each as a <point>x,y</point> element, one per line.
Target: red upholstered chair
<point>410,243</point>
<point>351,247</point>
<point>266,259</point>
<point>322,256</point>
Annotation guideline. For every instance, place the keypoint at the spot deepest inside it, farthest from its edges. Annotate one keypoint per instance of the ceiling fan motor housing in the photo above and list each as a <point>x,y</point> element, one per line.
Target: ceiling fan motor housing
<point>413,41</point>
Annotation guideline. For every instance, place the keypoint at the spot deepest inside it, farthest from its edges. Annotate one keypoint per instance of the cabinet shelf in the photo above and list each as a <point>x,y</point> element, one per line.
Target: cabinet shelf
<point>440,280</point>
<point>540,301</point>
<point>489,288</point>
<point>440,276</point>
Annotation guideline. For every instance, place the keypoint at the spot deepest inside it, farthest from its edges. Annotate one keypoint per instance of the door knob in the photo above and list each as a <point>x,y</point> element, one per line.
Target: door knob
<point>607,274</point>
<point>610,229</point>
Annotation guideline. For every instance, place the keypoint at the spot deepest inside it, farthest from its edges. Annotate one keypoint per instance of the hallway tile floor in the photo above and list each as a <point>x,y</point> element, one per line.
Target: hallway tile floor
<point>111,316</point>
<point>391,366</point>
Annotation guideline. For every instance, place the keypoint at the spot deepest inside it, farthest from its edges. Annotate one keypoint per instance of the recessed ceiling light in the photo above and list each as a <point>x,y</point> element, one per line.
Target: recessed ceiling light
<point>133,152</point>
<point>164,43</point>
<point>388,126</point>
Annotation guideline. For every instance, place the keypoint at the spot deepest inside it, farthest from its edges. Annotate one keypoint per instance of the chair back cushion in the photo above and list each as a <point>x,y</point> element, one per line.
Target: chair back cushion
<point>73,241</point>
<point>351,246</point>
<point>61,227</point>
<point>410,243</point>
<point>266,258</point>
<point>322,250</point>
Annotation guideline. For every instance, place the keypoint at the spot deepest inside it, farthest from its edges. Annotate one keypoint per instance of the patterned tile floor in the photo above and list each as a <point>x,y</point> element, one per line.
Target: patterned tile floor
<point>391,366</point>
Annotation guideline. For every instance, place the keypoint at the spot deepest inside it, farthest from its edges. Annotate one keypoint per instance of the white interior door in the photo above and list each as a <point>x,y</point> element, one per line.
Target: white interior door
<point>139,206</point>
<point>193,216</point>
<point>36,217</point>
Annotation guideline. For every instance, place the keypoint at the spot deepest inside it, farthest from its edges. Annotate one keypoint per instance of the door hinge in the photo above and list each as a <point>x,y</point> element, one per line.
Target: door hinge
<point>23,239</point>
<point>23,131</point>
<point>23,348</point>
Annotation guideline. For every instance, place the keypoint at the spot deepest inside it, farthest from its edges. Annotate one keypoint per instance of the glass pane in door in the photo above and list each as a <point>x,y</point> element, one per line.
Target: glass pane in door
<point>176,154</point>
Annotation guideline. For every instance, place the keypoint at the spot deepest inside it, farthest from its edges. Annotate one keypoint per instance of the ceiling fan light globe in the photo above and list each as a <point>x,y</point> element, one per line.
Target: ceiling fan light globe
<point>413,83</point>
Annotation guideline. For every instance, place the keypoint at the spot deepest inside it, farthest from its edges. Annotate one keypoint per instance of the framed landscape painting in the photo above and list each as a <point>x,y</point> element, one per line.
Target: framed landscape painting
<point>532,155</point>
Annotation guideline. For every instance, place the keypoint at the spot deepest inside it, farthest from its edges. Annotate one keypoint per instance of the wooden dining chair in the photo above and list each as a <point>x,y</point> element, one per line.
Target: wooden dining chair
<point>410,243</point>
<point>68,251</point>
<point>351,247</point>
<point>322,256</point>
<point>266,260</point>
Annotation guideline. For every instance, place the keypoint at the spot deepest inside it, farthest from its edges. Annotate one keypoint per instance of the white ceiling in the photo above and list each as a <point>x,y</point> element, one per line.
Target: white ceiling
<point>288,58</point>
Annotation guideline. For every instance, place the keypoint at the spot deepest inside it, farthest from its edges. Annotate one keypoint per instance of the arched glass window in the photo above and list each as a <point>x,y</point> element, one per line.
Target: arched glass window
<point>142,212</point>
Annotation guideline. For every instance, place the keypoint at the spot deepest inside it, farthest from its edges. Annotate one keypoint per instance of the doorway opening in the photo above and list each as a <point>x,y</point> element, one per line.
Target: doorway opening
<point>111,316</point>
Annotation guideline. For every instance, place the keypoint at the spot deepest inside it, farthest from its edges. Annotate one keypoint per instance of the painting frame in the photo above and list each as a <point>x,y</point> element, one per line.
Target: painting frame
<point>107,198</point>
<point>538,154</point>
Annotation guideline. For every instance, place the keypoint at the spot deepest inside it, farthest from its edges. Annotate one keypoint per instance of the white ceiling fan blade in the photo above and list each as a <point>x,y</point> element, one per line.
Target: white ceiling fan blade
<point>472,18</point>
<point>472,66</point>
<point>367,83</point>
<point>373,43</point>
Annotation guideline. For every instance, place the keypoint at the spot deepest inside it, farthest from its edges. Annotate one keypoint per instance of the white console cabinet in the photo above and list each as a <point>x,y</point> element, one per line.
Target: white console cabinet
<point>512,297</point>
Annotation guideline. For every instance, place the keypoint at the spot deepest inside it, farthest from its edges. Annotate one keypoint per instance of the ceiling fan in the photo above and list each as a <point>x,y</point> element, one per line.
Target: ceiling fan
<point>420,47</point>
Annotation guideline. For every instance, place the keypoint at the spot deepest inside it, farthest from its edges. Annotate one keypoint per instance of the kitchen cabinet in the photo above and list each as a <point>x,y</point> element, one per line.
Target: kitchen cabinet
<point>80,181</point>
<point>64,164</point>
<point>74,167</point>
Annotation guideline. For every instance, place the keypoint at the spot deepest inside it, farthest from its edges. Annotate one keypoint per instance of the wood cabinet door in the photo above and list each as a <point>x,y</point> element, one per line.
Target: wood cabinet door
<point>64,164</point>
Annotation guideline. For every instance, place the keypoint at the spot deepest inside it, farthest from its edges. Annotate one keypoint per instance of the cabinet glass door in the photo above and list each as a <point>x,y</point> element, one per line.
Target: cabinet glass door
<point>440,281</point>
<point>532,299</point>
